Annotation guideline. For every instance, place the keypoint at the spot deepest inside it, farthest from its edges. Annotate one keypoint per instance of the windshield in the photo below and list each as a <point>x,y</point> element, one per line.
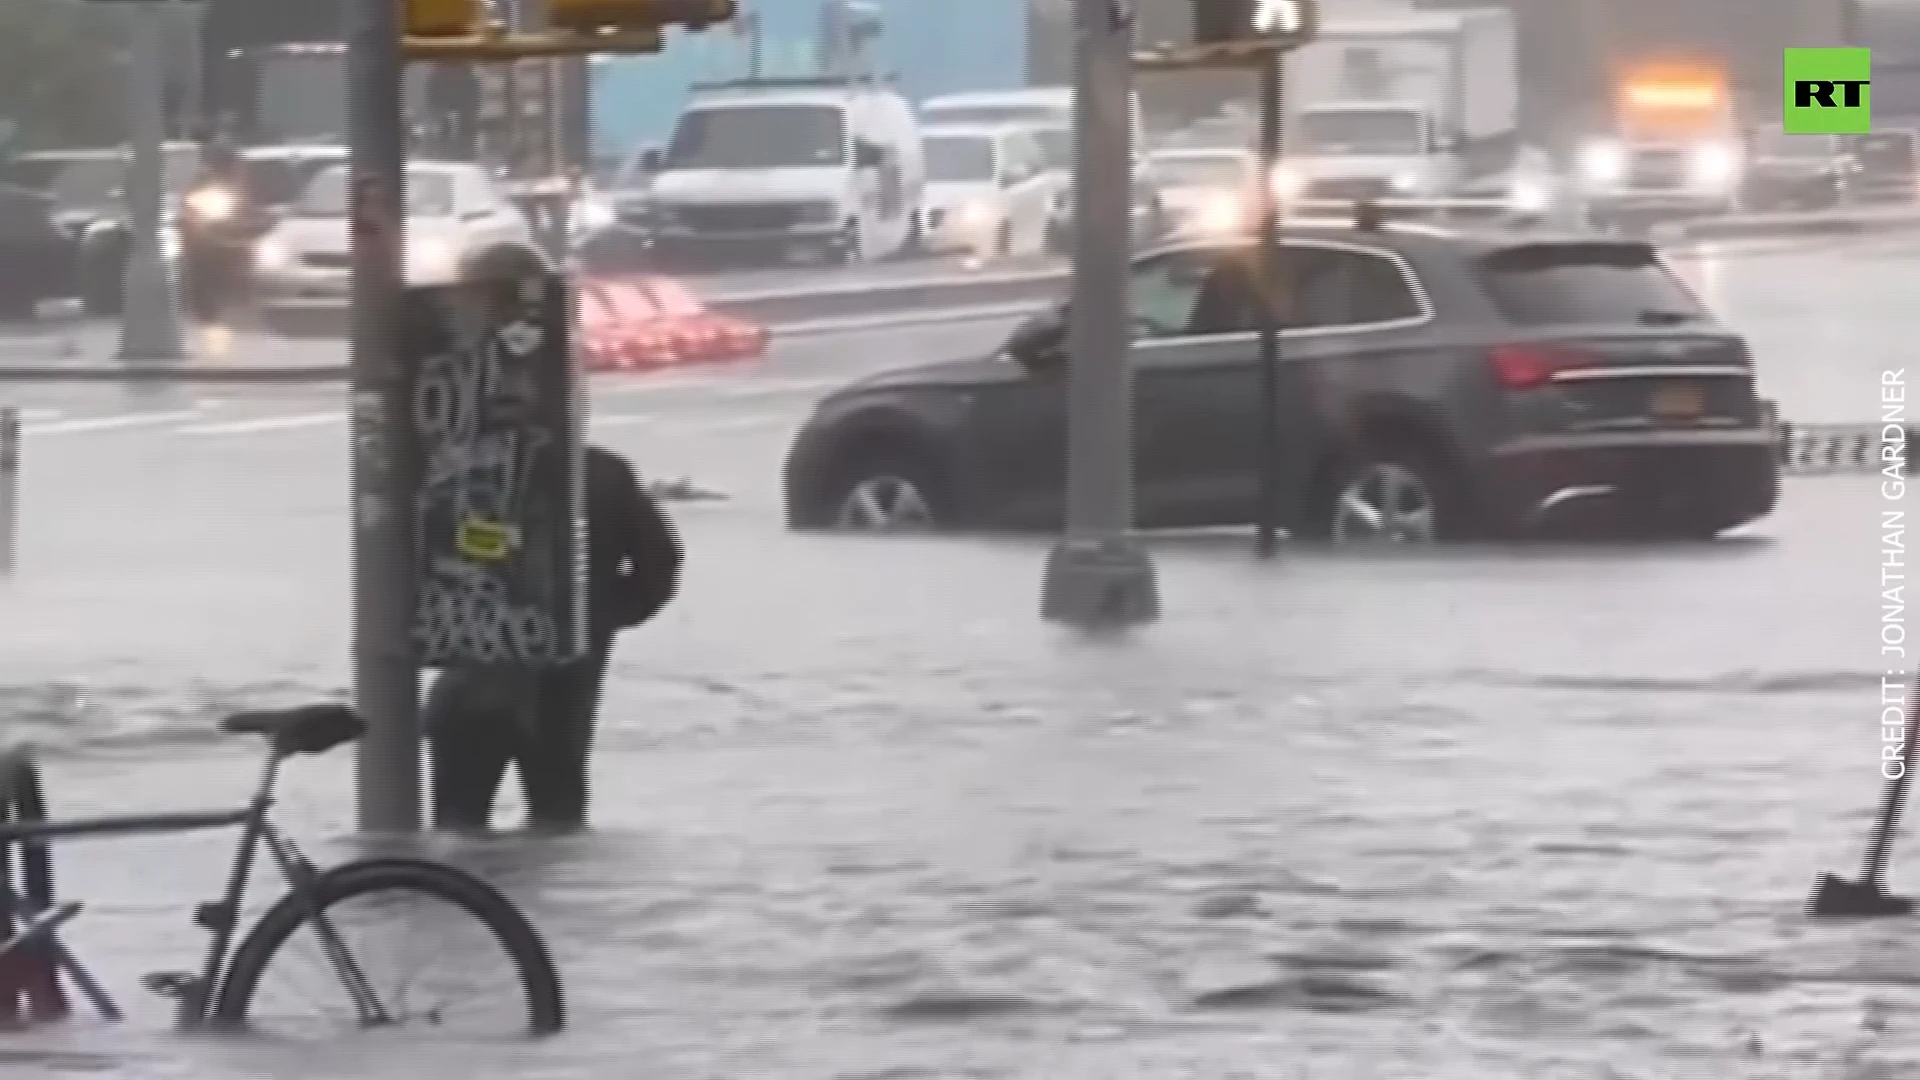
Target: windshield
<point>1358,131</point>
<point>1010,113</point>
<point>1779,144</point>
<point>429,194</point>
<point>959,159</point>
<point>759,137</point>
<point>279,181</point>
<point>1201,170</point>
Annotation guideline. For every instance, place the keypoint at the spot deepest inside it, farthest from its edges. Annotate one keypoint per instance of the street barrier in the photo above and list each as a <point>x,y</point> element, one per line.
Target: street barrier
<point>1836,449</point>
<point>637,323</point>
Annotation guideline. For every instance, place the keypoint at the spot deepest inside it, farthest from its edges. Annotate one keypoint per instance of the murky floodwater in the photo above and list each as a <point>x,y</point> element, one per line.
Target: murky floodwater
<point>1541,813</point>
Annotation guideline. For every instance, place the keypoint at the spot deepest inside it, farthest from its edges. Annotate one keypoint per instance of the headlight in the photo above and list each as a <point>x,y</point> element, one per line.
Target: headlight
<point>1603,163</point>
<point>1288,185</point>
<point>212,203</point>
<point>1713,166</point>
<point>431,258</point>
<point>977,215</point>
<point>271,255</point>
<point>1530,196</point>
<point>1406,183</point>
<point>1220,215</point>
<point>590,215</point>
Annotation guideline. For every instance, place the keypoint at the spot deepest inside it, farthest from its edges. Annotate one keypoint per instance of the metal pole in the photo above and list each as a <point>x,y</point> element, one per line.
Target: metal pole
<point>9,490</point>
<point>386,676</point>
<point>150,320</point>
<point>1099,576</point>
<point>1273,302</point>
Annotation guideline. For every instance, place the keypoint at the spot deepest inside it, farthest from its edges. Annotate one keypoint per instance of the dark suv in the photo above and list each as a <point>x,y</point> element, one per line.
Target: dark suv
<point>1433,386</point>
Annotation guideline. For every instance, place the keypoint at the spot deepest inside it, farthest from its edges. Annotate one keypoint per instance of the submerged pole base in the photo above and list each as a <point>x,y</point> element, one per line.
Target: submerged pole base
<point>1100,585</point>
<point>1838,898</point>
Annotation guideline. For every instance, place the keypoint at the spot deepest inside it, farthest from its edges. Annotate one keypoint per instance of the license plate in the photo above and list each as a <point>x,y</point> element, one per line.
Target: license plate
<point>1678,402</point>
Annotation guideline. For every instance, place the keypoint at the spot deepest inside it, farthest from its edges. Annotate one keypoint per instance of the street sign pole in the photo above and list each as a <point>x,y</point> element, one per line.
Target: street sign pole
<point>150,314</point>
<point>386,673</point>
<point>1099,577</point>
<point>1273,301</point>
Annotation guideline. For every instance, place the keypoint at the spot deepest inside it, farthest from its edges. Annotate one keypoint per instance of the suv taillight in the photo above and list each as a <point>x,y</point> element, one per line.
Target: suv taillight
<point>1529,367</point>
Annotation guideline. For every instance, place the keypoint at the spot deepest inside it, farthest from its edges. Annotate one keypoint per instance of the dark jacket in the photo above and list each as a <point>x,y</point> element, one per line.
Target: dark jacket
<point>633,553</point>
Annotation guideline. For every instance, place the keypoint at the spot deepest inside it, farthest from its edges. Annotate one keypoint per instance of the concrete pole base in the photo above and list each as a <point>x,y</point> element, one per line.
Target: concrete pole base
<point>150,319</point>
<point>1100,585</point>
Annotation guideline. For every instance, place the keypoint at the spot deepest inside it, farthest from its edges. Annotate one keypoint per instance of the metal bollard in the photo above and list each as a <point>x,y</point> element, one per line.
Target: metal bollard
<point>9,488</point>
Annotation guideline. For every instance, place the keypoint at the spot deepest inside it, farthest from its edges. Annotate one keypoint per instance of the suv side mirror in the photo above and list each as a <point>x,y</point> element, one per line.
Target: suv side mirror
<point>1039,343</point>
<point>867,156</point>
<point>653,159</point>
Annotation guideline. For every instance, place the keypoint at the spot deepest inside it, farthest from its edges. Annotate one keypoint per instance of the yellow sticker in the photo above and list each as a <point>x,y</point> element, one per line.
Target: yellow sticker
<point>484,541</point>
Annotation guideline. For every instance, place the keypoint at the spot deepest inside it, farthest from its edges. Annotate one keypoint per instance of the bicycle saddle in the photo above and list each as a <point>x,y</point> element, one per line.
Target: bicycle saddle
<point>303,729</point>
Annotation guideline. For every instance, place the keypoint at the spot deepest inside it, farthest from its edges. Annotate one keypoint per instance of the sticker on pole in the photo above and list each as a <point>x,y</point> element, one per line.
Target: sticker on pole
<point>485,541</point>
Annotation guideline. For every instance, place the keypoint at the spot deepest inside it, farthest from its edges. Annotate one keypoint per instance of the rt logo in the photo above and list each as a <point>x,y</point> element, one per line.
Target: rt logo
<point>1828,92</point>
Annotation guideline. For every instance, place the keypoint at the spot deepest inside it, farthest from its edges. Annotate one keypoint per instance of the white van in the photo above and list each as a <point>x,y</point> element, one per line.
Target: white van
<point>988,193</point>
<point>789,167</point>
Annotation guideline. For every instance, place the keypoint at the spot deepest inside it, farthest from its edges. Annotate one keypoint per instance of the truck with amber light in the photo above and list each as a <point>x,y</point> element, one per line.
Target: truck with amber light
<point>1675,147</point>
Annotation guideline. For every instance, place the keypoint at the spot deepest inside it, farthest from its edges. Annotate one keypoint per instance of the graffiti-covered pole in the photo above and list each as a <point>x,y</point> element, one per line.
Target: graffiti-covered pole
<point>386,675</point>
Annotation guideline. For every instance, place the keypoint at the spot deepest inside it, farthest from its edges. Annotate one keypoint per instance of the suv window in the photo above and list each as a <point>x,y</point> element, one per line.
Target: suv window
<point>1335,287</point>
<point>1165,292</point>
<point>1584,283</point>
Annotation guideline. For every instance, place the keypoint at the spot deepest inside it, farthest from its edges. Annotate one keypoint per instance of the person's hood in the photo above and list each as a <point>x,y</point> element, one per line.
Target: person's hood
<point>824,183</point>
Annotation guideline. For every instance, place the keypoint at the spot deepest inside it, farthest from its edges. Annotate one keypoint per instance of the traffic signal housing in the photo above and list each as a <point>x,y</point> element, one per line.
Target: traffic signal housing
<point>438,20</point>
<point>465,29</point>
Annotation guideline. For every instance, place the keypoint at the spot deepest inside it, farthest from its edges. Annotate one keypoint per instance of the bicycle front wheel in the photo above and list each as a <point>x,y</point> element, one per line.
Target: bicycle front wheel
<point>325,961</point>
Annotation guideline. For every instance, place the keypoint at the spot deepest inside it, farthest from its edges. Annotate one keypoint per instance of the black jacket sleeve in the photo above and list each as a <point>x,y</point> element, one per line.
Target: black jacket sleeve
<point>636,552</point>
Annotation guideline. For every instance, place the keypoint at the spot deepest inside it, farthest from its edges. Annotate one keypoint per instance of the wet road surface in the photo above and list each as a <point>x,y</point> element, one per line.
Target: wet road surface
<point>1517,813</point>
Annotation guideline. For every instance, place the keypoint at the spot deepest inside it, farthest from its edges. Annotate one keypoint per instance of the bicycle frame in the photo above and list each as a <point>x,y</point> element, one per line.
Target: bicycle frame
<point>195,995</point>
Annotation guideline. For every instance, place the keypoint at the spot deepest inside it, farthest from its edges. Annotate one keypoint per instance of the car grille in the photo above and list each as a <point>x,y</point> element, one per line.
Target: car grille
<point>328,260</point>
<point>1659,169</point>
<point>1355,188</point>
<point>739,217</point>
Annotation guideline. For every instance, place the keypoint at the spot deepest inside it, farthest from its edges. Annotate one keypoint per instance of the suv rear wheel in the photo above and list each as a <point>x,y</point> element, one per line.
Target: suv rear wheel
<point>1392,495</point>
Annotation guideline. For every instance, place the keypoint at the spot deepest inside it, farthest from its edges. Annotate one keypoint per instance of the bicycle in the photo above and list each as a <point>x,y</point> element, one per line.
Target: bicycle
<point>222,994</point>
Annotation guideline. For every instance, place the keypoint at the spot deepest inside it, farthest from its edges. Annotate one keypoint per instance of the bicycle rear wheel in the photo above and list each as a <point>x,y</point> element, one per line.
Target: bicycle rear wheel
<point>525,1000</point>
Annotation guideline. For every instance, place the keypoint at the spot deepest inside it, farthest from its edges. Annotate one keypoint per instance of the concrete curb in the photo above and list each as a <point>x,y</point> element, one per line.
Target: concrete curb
<point>187,372</point>
<point>190,372</point>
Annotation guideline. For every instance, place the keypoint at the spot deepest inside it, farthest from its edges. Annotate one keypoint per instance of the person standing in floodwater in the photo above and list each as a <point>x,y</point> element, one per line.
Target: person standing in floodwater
<point>482,719</point>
